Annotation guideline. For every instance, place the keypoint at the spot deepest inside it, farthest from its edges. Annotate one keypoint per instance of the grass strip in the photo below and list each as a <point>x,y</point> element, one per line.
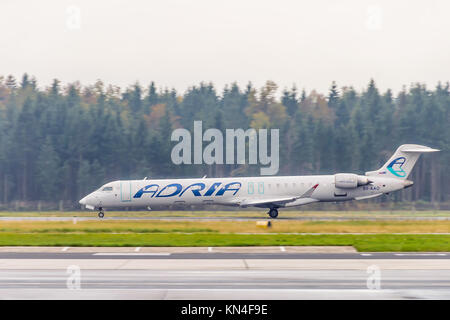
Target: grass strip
<point>226,227</point>
<point>363,243</point>
<point>108,230</point>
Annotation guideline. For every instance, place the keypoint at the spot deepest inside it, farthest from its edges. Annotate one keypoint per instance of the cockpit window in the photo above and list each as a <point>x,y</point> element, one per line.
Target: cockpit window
<point>107,189</point>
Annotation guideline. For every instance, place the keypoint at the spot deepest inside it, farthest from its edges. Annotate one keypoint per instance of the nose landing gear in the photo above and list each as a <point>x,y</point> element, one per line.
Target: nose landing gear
<point>101,214</point>
<point>273,213</point>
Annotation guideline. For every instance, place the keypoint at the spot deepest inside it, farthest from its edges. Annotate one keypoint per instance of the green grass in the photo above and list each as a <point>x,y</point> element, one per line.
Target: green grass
<point>108,230</point>
<point>378,242</point>
<point>110,233</point>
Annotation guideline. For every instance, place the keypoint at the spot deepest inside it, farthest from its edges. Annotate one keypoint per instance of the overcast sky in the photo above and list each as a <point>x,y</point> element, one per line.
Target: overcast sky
<point>180,43</point>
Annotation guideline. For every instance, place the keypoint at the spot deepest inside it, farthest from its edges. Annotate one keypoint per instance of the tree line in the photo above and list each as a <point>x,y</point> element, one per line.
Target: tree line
<point>62,142</point>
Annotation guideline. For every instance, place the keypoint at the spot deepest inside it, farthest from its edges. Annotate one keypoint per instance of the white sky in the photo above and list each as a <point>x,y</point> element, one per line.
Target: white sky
<point>180,43</point>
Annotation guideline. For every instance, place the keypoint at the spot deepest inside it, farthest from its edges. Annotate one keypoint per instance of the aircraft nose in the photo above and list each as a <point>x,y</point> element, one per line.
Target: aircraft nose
<point>83,201</point>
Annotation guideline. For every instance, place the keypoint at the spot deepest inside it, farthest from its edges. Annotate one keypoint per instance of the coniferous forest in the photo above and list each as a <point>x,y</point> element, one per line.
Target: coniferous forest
<point>61,142</point>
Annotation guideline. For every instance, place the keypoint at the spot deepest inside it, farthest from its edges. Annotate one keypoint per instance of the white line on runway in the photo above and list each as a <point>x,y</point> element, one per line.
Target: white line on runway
<point>420,254</point>
<point>366,254</point>
<point>282,249</point>
<point>65,248</point>
<point>137,249</point>
<point>131,254</point>
<point>224,294</point>
<point>210,249</point>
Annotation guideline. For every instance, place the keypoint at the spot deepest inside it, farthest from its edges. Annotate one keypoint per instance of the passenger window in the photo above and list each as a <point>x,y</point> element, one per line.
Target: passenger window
<point>261,188</point>
<point>107,189</point>
<point>251,188</point>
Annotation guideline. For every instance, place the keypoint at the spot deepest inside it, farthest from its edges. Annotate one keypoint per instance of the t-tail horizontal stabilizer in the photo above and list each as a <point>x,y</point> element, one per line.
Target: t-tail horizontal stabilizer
<point>400,165</point>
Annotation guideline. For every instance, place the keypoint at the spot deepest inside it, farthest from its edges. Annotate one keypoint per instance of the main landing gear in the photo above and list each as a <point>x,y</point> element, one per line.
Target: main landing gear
<point>101,214</point>
<point>273,213</point>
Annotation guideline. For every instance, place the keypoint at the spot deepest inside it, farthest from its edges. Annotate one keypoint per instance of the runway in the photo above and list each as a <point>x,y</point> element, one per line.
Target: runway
<point>219,256</point>
<point>224,284</point>
<point>221,273</point>
<point>230,218</point>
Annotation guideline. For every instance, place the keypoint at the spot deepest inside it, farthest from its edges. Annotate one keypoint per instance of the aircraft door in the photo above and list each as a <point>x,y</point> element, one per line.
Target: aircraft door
<point>125,191</point>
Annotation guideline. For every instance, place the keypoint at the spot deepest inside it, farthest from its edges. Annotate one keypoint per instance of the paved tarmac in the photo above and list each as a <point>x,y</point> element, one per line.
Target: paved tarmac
<point>231,218</point>
<point>202,273</point>
<point>223,284</point>
<point>223,256</point>
<point>253,249</point>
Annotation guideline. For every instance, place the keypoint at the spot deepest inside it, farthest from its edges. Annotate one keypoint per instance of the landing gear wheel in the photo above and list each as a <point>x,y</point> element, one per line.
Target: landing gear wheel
<point>101,214</point>
<point>273,213</point>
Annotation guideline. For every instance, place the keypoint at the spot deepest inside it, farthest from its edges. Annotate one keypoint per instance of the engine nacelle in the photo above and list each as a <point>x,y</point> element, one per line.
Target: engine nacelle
<point>350,180</point>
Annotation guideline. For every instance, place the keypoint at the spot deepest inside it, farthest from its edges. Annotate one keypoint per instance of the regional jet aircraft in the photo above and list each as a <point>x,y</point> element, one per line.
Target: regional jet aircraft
<point>263,192</point>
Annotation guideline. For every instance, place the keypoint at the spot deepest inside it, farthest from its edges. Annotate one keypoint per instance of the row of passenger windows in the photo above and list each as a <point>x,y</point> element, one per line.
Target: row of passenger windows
<point>258,187</point>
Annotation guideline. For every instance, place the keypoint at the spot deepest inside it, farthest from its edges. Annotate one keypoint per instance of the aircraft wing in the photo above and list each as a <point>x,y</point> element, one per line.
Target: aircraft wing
<point>368,197</point>
<point>279,201</point>
<point>265,201</point>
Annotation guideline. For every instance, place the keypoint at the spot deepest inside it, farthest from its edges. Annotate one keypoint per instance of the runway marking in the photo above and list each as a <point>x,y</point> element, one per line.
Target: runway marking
<point>219,293</point>
<point>366,254</point>
<point>420,254</point>
<point>65,248</point>
<point>137,249</point>
<point>131,254</point>
<point>210,249</point>
<point>282,249</point>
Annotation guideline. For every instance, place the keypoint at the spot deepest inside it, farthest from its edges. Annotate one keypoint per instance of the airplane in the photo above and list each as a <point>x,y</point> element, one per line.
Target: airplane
<point>270,192</point>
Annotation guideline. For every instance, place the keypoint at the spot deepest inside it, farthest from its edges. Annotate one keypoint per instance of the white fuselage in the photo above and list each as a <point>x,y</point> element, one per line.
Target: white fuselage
<point>237,191</point>
<point>263,192</point>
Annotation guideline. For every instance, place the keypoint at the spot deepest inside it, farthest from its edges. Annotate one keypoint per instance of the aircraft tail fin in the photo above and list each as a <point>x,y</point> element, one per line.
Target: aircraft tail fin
<point>402,162</point>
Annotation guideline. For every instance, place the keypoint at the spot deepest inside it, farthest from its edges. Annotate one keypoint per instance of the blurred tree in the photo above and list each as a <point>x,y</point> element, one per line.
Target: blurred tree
<point>67,140</point>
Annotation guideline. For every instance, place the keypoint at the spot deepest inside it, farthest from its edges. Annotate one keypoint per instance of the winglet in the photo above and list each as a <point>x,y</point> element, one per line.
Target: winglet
<point>309,192</point>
